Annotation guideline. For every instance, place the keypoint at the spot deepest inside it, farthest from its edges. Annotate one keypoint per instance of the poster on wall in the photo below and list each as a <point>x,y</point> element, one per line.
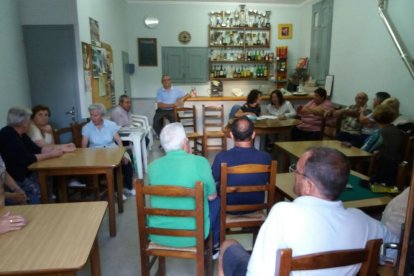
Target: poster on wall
<point>98,61</point>
<point>94,29</point>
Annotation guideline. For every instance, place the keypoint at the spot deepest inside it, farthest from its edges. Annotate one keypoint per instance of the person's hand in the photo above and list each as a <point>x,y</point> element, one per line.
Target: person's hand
<point>56,152</point>
<point>9,222</point>
<point>282,117</point>
<point>69,147</point>
<point>125,160</point>
<point>46,129</point>
<point>329,113</point>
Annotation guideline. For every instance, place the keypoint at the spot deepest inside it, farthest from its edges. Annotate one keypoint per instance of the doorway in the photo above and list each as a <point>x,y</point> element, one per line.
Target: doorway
<point>51,63</point>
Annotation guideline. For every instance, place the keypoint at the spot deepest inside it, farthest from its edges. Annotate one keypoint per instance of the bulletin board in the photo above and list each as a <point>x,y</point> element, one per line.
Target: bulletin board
<point>103,83</point>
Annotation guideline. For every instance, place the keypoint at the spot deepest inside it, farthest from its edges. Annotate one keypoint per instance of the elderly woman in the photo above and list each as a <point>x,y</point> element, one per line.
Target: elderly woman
<point>312,115</point>
<point>41,132</point>
<point>252,105</point>
<point>279,107</point>
<point>19,151</point>
<point>102,133</point>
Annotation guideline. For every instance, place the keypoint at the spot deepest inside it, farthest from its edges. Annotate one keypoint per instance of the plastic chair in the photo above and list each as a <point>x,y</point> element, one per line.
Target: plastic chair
<point>143,121</point>
<point>254,220</point>
<point>187,116</point>
<point>201,252</point>
<point>368,256</point>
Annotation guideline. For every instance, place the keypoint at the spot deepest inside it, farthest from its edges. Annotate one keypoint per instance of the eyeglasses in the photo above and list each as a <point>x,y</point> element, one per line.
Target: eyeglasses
<point>294,169</point>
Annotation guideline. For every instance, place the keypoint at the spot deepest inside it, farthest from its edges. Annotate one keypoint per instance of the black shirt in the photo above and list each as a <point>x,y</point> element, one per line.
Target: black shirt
<point>256,110</point>
<point>18,152</point>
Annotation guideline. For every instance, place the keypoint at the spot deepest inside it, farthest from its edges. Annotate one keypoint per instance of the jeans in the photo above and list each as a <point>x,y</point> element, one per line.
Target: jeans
<point>214,206</point>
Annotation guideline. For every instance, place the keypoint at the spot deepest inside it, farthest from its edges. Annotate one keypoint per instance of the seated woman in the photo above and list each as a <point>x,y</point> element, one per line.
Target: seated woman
<point>102,133</point>
<point>312,115</point>
<point>389,141</point>
<point>19,151</point>
<point>41,132</point>
<point>279,107</point>
<point>402,122</point>
<point>252,105</point>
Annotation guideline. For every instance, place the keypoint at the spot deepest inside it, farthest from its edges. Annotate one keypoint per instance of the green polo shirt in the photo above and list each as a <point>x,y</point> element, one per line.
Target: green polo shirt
<point>181,169</point>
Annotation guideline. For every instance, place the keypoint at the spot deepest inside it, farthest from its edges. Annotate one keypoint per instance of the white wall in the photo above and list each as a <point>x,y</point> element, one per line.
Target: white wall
<point>112,27</point>
<point>179,16</point>
<point>363,56</point>
<point>14,84</point>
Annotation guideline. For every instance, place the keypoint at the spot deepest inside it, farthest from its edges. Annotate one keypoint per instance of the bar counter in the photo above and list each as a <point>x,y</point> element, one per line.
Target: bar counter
<point>243,98</point>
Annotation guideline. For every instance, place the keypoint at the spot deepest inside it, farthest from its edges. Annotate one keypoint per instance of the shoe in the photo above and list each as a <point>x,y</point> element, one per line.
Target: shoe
<point>76,183</point>
<point>216,252</point>
<point>124,198</point>
<point>129,192</point>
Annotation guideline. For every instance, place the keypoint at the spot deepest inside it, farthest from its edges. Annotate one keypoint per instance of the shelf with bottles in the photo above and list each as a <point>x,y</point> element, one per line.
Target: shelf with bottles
<point>241,56</point>
<point>242,71</point>
<point>239,37</point>
<point>281,66</point>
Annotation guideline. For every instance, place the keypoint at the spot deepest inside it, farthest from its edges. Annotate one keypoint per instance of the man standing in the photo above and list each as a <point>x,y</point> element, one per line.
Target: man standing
<point>314,222</point>
<point>168,97</point>
<point>121,114</point>
<point>242,132</point>
<point>178,167</point>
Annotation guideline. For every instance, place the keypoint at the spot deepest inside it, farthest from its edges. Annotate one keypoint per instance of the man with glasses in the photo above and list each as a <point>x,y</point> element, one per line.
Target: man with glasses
<point>316,221</point>
<point>168,97</point>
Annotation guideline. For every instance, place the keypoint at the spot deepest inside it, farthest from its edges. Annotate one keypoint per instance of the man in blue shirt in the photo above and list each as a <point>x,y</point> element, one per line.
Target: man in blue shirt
<point>242,132</point>
<point>168,97</point>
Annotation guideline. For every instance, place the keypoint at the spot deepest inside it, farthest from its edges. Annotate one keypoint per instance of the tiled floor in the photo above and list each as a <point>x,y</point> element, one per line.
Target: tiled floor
<point>120,255</point>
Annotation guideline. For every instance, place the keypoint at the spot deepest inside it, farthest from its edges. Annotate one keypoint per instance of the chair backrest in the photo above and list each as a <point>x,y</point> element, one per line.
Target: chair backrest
<point>64,131</point>
<point>268,187</point>
<point>368,256</point>
<point>145,210</point>
<point>187,116</point>
<point>213,117</point>
<point>330,126</point>
<point>77,133</point>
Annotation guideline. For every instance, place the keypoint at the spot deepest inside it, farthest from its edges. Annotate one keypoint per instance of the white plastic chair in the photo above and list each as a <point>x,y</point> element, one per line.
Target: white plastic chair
<point>142,121</point>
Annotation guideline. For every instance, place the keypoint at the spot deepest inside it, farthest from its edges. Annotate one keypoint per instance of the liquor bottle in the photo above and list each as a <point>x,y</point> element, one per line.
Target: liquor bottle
<point>221,72</point>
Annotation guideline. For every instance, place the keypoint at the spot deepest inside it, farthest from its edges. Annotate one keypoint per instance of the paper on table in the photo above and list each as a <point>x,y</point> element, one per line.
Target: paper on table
<point>266,117</point>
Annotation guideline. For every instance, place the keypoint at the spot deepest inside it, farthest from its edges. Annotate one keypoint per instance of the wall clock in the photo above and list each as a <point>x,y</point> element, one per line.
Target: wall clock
<point>184,37</point>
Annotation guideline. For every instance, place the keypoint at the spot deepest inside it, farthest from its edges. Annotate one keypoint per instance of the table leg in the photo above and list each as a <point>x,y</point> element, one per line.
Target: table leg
<point>111,202</point>
<point>44,197</point>
<point>94,259</point>
<point>63,189</point>
<point>119,186</point>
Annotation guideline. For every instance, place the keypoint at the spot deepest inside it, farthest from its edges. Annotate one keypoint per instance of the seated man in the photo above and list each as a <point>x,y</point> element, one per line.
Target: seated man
<point>316,221</point>
<point>242,132</point>
<point>168,97</point>
<point>311,115</point>
<point>350,126</point>
<point>179,167</point>
<point>121,114</point>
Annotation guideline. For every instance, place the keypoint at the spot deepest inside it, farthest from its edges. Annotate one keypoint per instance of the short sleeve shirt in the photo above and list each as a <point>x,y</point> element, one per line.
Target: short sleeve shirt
<point>169,96</point>
<point>101,138</point>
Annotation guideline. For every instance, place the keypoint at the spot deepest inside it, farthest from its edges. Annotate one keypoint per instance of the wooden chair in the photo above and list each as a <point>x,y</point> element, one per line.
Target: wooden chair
<point>201,252</point>
<point>231,224</point>
<point>330,127</point>
<point>213,124</point>
<point>368,256</point>
<point>187,116</point>
<point>64,131</point>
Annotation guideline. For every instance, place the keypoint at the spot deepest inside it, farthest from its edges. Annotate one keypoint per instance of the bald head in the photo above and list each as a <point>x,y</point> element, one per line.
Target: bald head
<point>242,129</point>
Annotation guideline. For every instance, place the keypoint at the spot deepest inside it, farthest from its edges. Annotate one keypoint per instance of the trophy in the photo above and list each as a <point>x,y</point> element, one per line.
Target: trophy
<point>213,19</point>
<point>267,17</point>
<point>227,18</point>
<point>236,22</point>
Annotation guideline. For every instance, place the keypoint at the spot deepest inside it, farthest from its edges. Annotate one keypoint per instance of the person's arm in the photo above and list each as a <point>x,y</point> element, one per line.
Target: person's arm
<point>118,139</point>
<point>164,105</point>
<point>85,141</point>
<point>48,154</point>
<point>17,195</point>
<point>291,112</point>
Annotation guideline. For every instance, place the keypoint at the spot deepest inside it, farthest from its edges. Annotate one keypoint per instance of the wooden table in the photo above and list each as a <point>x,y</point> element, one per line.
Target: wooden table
<point>58,239</point>
<point>286,181</point>
<point>297,148</point>
<point>86,161</point>
<point>269,126</point>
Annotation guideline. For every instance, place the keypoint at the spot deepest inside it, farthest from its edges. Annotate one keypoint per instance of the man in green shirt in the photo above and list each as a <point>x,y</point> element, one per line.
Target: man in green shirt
<point>181,168</point>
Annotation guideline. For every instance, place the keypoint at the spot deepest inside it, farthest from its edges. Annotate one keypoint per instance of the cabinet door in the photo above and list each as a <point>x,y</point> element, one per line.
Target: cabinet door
<point>196,62</point>
<point>173,63</point>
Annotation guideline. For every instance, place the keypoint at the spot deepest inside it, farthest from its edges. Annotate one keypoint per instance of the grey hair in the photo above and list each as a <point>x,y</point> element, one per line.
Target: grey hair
<point>122,98</point>
<point>97,106</point>
<point>173,137</point>
<point>17,116</point>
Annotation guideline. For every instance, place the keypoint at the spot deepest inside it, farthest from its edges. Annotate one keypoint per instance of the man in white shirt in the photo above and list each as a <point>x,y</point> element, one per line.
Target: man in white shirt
<point>316,221</point>
<point>121,114</point>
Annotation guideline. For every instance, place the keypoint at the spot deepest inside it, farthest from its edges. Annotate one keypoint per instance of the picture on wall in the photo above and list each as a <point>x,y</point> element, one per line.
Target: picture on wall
<point>285,31</point>
<point>94,29</point>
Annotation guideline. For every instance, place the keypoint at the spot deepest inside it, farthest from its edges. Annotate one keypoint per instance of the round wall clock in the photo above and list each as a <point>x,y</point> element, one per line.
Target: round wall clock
<point>184,37</point>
